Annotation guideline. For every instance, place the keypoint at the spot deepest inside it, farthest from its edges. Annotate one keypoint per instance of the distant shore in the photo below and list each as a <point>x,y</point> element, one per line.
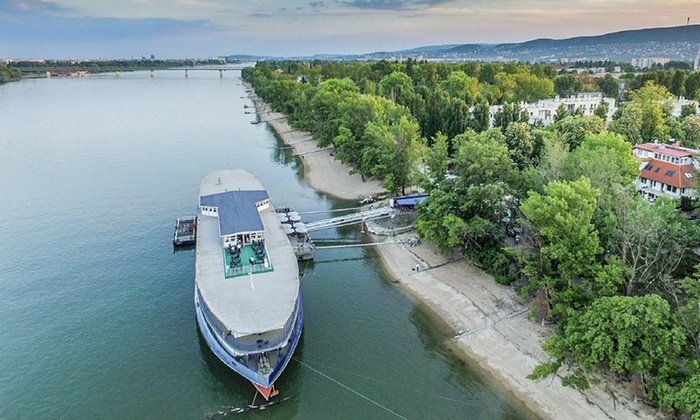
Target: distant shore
<point>490,326</point>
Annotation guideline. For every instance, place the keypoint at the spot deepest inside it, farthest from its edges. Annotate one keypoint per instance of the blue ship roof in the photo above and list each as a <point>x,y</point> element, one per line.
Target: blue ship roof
<point>237,210</point>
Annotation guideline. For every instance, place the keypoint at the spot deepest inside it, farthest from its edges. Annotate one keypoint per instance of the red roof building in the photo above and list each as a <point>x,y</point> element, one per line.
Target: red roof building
<point>665,169</point>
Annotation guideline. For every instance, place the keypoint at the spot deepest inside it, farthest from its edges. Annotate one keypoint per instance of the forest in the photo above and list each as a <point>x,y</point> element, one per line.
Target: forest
<point>615,274</point>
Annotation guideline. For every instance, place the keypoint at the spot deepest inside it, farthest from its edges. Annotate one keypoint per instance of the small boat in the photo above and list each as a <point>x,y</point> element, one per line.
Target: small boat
<point>185,231</point>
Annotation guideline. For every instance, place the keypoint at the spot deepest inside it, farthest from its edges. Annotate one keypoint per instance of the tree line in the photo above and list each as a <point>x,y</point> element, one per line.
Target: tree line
<point>8,74</point>
<point>550,210</point>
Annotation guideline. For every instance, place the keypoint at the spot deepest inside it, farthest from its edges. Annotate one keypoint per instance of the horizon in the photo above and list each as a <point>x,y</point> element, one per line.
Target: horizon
<point>170,29</point>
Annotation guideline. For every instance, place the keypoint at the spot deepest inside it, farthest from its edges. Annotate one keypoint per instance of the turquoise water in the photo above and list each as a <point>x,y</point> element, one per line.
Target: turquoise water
<point>97,318</point>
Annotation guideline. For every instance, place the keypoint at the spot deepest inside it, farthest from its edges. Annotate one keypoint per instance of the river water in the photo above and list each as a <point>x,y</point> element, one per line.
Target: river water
<point>97,318</point>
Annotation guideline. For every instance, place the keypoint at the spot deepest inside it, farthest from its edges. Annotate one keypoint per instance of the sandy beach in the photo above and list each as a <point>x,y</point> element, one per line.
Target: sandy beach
<point>321,170</point>
<point>490,325</point>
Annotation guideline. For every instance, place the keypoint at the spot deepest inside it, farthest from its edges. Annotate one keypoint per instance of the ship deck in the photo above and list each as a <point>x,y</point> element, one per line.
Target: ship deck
<point>253,304</point>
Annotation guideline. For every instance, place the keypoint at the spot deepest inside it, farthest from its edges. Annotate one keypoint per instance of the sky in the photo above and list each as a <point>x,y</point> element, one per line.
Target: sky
<point>104,29</point>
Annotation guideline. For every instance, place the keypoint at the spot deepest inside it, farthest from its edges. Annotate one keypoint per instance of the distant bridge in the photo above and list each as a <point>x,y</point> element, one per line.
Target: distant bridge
<point>219,67</point>
<point>64,70</point>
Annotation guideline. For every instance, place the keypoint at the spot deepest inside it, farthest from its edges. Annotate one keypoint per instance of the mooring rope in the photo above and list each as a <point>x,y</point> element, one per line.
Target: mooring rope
<point>359,394</point>
<point>407,388</point>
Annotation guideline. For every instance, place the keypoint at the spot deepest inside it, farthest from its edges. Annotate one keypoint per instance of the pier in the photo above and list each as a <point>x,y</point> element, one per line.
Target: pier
<point>351,219</point>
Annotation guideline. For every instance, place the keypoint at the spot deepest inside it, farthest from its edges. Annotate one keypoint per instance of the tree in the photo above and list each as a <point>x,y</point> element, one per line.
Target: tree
<point>574,129</point>
<point>561,113</point>
<point>621,334</point>
<point>605,159</point>
<point>691,128</point>
<point>325,108</point>
<point>520,144</point>
<point>601,111</point>
<point>563,261</point>
<point>455,117</point>
<point>567,85</point>
<point>643,118</point>
<point>530,88</point>
<point>436,161</point>
<point>650,241</point>
<point>692,85</point>
<point>678,83</point>
<point>609,85</point>
<point>482,159</point>
<point>553,157</point>
<point>687,110</point>
<point>480,118</point>
<point>509,113</point>
<point>398,87</point>
<point>459,85</point>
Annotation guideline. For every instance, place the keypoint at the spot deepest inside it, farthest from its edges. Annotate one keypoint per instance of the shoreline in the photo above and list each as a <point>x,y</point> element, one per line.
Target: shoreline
<point>492,333</point>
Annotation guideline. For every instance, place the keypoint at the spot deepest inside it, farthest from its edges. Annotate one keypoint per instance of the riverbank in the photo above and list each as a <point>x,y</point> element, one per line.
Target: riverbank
<point>321,170</point>
<point>490,326</point>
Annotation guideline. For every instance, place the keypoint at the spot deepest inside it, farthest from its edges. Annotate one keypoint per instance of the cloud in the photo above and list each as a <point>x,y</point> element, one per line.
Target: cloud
<point>31,6</point>
<point>88,29</point>
<point>392,4</point>
<point>317,4</point>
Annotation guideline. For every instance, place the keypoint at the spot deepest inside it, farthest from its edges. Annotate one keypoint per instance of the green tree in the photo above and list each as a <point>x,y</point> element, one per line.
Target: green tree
<point>530,88</point>
<point>567,85</point>
<point>394,155</point>
<point>509,113</point>
<point>563,261</point>
<point>398,87</point>
<point>691,129</point>
<point>601,111</point>
<point>480,118</point>
<point>574,129</point>
<point>325,108</point>
<point>650,241</point>
<point>678,83</point>
<point>520,144</point>
<point>605,159</point>
<point>561,113</point>
<point>459,85</point>
<point>609,85</point>
<point>623,335</point>
<point>436,161</point>
<point>482,158</point>
<point>554,154</point>
<point>687,110</point>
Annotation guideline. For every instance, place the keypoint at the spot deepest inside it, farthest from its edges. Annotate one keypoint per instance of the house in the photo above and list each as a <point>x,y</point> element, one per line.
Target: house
<point>544,111</point>
<point>665,169</point>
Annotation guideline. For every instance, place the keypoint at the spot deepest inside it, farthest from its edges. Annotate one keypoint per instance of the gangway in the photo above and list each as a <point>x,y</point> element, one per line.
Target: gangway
<point>350,219</point>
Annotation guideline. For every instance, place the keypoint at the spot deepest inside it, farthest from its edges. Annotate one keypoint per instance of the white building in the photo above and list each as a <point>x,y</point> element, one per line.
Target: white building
<point>678,104</point>
<point>665,169</point>
<point>647,62</point>
<point>545,110</point>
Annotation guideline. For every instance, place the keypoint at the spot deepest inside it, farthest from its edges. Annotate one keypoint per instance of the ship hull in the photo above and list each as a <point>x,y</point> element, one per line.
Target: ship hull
<point>263,384</point>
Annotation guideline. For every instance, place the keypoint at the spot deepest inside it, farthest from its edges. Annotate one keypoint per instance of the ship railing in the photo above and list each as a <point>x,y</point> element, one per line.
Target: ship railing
<point>260,345</point>
<point>247,269</point>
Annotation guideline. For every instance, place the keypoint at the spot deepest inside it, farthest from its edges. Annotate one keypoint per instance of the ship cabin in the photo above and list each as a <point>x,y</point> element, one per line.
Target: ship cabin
<point>240,228</point>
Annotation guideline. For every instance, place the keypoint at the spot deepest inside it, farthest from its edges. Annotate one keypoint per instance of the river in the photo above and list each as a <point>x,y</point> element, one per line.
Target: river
<point>97,313</point>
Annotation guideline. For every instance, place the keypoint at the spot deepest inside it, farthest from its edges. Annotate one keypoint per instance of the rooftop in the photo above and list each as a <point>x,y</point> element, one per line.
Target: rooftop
<point>674,150</point>
<point>681,176</point>
<point>237,210</point>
